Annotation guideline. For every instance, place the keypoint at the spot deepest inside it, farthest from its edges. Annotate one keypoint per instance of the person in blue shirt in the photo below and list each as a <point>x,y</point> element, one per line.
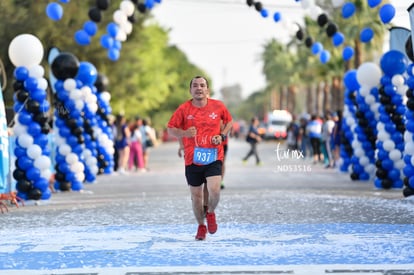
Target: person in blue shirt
<point>253,138</point>
<point>314,131</point>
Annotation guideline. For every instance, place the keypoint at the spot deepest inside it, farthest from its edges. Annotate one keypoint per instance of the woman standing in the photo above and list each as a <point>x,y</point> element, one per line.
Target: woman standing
<point>123,135</point>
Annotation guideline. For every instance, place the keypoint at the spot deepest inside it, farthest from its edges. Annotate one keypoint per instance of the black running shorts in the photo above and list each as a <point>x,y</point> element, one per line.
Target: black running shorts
<point>196,174</point>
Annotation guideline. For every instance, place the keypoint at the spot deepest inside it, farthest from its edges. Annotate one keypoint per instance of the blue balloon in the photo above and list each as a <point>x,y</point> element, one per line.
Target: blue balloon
<point>387,13</point>
<point>373,3</point>
<point>112,29</point>
<point>347,53</point>
<point>54,11</point>
<point>149,4</point>
<point>366,35</point>
<point>117,45</point>
<point>24,162</point>
<point>21,73</point>
<point>350,80</point>
<point>87,73</point>
<point>19,151</point>
<point>348,9</point>
<point>82,38</point>
<point>393,62</point>
<point>42,140</point>
<point>264,13</point>
<point>106,41</point>
<point>42,184</point>
<point>317,47</point>
<point>47,193</point>
<point>34,129</point>
<point>277,16</point>
<point>113,54</point>
<point>90,28</point>
<point>338,39</point>
<point>38,94</point>
<point>324,57</point>
<point>30,83</point>
<point>33,173</point>
<point>25,118</point>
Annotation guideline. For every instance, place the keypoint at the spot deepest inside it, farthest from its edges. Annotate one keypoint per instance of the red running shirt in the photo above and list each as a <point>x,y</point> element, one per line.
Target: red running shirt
<point>206,120</point>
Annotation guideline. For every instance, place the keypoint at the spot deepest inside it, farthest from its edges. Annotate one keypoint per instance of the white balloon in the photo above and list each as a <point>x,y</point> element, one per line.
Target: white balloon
<point>34,151</point>
<point>395,155</point>
<point>119,17</point>
<point>364,161</point>
<point>409,148</point>
<point>127,7</point>
<point>19,129</point>
<point>408,137</point>
<point>71,158</point>
<point>42,162</point>
<point>370,99</point>
<point>105,96</point>
<point>359,152</point>
<point>397,80</point>
<point>80,176</point>
<point>36,71</point>
<point>75,94</point>
<point>69,84</point>
<point>42,83</point>
<point>25,140</point>
<point>77,167</point>
<point>46,173</point>
<point>25,50</point>
<point>369,74</point>
<point>337,3</point>
<point>388,145</point>
<point>64,149</point>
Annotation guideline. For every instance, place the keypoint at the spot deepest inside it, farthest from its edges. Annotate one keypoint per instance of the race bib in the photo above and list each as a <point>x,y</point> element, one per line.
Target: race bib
<point>204,156</point>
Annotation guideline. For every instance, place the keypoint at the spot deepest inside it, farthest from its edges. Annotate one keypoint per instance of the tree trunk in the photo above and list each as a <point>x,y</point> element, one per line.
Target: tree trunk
<point>309,99</point>
<point>326,97</point>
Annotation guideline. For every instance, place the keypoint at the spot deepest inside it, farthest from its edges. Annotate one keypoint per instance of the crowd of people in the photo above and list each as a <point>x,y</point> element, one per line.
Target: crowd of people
<point>132,140</point>
<point>317,137</point>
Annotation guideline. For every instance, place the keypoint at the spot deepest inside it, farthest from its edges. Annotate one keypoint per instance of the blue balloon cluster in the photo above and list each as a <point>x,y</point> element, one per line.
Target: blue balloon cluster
<point>87,75</point>
<point>391,127</point>
<point>105,136</point>
<point>84,36</point>
<point>365,135</point>
<point>110,42</point>
<point>349,120</point>
<point>32,167</point>
<point>408,169</point>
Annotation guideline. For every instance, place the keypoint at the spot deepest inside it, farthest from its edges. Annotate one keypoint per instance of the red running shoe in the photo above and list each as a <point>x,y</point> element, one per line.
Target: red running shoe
<point>211,223</point>
<point>201,233</point>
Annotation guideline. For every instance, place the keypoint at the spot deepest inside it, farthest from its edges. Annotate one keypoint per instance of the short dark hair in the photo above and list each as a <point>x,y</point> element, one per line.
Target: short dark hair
<point>196,77</point>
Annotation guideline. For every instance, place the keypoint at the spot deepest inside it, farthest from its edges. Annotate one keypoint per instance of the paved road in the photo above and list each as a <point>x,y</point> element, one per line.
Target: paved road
<point>285,217</point>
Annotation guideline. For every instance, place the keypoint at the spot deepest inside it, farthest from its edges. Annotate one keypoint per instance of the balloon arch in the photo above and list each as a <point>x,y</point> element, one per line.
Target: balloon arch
<point>378,124</point>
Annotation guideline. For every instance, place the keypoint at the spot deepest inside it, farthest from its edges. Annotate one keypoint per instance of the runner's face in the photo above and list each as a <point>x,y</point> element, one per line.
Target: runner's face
<point>199,89</point>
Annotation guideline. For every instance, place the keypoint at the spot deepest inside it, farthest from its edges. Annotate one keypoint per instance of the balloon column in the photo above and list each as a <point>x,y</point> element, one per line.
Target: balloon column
<point>409,136</point>
<point>68,123</point>
<point>31,127</point>
<point>86,103</point>
<point>349,120</point>
<point>391,124</point>
<point>368,77</point>
<point>103,130</point>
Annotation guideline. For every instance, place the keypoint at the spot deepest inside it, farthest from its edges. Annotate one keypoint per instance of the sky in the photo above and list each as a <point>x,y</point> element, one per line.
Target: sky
<point>225,37</point>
